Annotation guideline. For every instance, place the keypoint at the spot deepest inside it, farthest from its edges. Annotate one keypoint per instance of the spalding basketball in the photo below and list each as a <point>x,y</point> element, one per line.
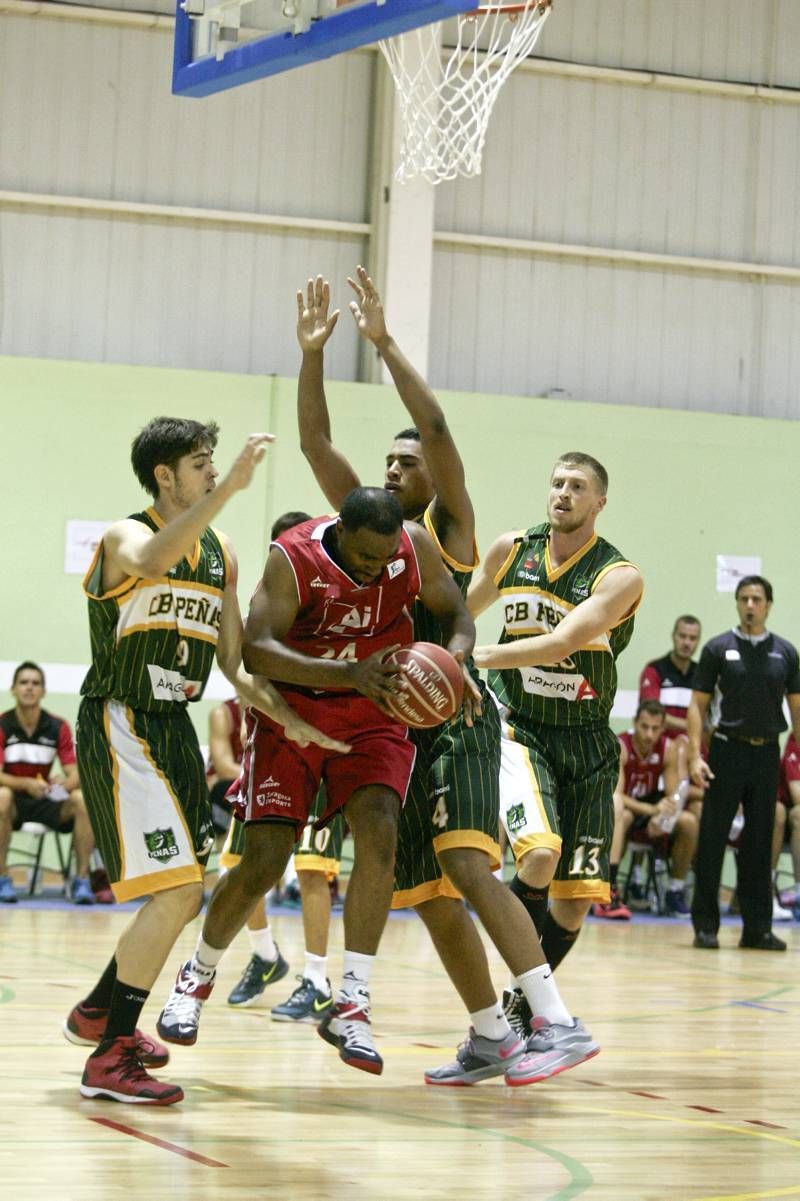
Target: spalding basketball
<point>434,685</point>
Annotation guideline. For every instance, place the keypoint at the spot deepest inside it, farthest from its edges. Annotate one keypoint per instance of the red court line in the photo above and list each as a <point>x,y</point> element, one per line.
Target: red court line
<point>703,1108</point>
<point>159,1142</point>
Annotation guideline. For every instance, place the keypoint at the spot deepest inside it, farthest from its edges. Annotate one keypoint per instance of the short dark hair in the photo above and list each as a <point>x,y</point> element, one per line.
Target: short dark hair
<point>287,521</point>
<point>686,619</point>
<point>165,440</point>
<point>410,435</point>
<point>373,509</point>
<point>28,665</point>
<point>758,581</point>
<point>654,708</point>
<point>579,458</point>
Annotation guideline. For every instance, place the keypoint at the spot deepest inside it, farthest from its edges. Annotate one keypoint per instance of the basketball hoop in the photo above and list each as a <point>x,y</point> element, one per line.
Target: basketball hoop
<point>447,95</point>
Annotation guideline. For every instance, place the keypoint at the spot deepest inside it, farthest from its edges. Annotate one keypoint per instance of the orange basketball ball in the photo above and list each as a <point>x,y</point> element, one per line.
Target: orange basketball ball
<point>434,685</point>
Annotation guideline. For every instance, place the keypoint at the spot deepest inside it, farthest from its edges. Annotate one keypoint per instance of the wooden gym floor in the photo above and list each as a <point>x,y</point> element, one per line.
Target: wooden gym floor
<point>694,1096</point>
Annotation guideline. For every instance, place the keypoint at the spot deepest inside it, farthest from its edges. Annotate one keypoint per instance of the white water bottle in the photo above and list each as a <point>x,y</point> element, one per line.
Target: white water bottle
<point>668,820</point>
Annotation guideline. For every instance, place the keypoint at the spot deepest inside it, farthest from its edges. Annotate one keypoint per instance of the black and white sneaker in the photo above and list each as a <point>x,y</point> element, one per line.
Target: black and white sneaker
<point>347,1027</point>
<point>255,978</point>
<point>306,1004</point>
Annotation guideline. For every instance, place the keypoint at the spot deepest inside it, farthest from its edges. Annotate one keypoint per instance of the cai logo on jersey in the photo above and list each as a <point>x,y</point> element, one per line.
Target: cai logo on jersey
<point>562,685</point>
<point>341,617</point>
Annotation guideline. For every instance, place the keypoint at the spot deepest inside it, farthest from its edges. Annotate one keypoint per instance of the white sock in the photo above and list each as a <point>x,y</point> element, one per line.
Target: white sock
<point>490,1023</point>
<point>356,971</point>
<point>206,958</point>
<point>541,993</point>
<point>263,944</point>
<point>316,970</point>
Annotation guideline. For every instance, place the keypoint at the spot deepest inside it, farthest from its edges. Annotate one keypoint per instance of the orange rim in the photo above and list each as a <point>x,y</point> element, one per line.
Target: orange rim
<point>510,10</point>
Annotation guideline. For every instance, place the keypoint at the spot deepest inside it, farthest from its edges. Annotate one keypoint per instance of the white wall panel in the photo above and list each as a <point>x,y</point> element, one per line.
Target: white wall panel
<point>165,294</point>
<point>611,334</point>
<point>87,110</point>
<point>600,164</point>
<point>710,39</point>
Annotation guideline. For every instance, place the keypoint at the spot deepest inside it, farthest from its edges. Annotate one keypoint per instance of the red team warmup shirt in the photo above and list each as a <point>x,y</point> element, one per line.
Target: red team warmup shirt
<point>337,619</point>
<point>661,681</point>
<point>23,754</point>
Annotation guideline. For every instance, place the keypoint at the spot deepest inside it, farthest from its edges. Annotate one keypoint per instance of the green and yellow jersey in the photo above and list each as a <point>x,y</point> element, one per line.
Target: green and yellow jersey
<point>154,641</point>
<point>536,596</point>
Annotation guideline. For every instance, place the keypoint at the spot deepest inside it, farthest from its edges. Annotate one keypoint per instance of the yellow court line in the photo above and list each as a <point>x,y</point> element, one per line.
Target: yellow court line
<point>793,1191</point>
<point>705,1124</point>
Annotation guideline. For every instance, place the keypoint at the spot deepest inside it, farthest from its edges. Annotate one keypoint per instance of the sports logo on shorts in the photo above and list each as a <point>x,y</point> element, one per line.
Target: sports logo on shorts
<point>161,844</point>
<point>515,818</point>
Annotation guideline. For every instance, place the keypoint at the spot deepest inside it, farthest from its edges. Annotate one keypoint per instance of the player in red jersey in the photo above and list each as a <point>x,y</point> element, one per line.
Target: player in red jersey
<point>334,599</point>
<point>653,793</point>
<point>789,798</point>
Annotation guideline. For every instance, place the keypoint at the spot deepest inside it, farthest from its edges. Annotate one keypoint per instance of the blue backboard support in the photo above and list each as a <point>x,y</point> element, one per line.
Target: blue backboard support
<point>345,29</point>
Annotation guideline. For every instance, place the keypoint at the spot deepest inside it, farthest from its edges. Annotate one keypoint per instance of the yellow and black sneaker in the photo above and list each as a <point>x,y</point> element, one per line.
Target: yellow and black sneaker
<point>255,978</point>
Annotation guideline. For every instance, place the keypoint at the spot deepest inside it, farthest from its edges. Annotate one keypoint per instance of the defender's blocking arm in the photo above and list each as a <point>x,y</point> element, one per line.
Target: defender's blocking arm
<point>612,600</point>
<point>332,470</point>
<point>452,507</point>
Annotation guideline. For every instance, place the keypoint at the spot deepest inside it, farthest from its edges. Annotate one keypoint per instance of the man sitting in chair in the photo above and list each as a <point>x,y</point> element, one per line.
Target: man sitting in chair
<point>651,772</point>
<point>30,741</point>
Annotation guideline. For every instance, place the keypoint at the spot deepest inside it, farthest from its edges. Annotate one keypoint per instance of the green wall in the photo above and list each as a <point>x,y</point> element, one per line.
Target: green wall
<point>684,486</point>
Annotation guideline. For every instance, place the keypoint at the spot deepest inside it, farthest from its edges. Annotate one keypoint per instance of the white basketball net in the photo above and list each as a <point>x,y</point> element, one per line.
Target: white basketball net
<point>447,96</point>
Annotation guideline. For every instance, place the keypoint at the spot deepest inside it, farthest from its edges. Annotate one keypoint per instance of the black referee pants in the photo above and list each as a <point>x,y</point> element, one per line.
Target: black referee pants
<point>748,776</point>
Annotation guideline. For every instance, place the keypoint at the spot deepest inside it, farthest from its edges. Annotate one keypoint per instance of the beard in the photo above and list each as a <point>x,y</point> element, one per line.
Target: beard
<point>565,523</point>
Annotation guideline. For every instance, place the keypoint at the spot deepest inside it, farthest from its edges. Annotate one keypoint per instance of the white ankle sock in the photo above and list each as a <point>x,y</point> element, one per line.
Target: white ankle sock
<point>263,944</point>
<point>356,971</point>
<point>541,993</point>
<point>490,1023</point>
<point>206,958</point>
<point>674,885</point>
<point>316,970</point>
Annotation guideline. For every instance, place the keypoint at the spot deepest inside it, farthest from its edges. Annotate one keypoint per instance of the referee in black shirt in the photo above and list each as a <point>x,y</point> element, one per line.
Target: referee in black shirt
<point>750,670</point>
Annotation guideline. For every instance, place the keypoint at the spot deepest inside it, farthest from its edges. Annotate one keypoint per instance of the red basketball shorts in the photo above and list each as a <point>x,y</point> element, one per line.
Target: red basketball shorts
<point>281,779</point>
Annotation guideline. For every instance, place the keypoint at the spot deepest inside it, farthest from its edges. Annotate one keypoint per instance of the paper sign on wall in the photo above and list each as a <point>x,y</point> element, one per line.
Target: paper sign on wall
<point>732,568</point>
<point>80,544</point>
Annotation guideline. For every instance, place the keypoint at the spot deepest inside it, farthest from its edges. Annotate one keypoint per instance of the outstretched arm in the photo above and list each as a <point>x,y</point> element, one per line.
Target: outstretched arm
<point>315,325</point>
<point>132,549</point>
<point>613,599</point>
<point>483,591</point>
<point>453,515</point>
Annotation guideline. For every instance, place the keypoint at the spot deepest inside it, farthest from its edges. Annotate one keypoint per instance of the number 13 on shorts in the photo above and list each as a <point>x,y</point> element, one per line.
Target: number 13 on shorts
<point>585,861</point>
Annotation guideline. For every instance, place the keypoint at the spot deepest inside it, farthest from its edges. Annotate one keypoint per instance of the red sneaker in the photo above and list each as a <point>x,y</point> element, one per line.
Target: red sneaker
<point>613,909</point>
<point>115,1072</point>
<point>86,1027</point>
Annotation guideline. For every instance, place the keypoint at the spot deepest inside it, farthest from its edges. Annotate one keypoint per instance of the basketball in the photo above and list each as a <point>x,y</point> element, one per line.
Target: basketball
<point>434,685</point>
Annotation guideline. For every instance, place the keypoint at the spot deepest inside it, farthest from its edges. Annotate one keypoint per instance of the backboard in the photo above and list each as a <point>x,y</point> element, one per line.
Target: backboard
<point>213,51</point>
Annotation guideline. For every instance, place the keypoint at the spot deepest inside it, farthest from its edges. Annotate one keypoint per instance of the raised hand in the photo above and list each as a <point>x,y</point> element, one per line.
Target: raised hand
<point>314,325</point>
<point>241,473</point>
<point>367,310</point>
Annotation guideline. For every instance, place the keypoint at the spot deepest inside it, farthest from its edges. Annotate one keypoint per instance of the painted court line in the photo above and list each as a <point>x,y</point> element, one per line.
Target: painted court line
<point>159,1142</point>
<point>702,1108</point>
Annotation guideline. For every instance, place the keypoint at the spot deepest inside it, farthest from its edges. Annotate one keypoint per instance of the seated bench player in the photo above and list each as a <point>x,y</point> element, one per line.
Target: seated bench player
<point>650,778</point>
<point>31,739</point>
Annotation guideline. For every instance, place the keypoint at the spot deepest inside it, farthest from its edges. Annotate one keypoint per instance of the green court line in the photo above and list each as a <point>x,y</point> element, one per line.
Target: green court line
<point>6,995</point>
<point>581,1177</point>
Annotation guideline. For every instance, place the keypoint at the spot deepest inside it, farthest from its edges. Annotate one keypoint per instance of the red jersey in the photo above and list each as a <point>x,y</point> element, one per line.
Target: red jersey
<point>23,754</point>
<point>790,770</point>
<point>642,775</point>
<point>662,681</point>
<point>338,618</point>
<point>237,750</point>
